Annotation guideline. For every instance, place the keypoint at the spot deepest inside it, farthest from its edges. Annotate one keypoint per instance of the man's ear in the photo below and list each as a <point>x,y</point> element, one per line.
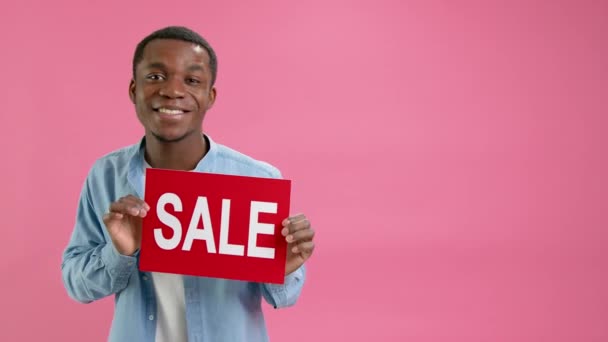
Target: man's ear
<point>132,91</point>
<point>212,95</point>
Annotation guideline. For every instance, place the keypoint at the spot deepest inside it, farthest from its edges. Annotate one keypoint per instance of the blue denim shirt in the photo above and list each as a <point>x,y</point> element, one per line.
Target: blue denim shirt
<point>216,309</point>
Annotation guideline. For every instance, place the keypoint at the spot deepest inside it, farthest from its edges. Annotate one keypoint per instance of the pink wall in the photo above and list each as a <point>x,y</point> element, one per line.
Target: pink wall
<point>451,155</point>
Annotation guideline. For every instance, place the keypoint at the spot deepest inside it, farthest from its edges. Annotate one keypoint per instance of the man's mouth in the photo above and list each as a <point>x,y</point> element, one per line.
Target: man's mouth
<point>170,111</point>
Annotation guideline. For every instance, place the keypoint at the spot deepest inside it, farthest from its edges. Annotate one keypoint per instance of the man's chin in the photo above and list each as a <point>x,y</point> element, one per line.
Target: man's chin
<point>170,138</point>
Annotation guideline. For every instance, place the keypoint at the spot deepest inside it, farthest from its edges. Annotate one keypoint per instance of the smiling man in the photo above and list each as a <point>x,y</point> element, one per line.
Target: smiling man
<point>174,72</point>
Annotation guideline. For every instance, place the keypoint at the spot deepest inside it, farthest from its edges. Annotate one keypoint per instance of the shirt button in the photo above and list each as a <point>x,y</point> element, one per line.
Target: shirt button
<point>151,317</point>
<point>145,278</point>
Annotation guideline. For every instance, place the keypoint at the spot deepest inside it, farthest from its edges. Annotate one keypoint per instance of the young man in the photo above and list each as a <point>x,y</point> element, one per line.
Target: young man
<point>174,70</point>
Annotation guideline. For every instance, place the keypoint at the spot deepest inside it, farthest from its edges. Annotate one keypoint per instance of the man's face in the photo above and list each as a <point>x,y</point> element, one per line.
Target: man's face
<point>172,89</point>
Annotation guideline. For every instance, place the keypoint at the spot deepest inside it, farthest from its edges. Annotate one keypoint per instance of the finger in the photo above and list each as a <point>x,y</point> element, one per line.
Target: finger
<point>124,207</point>
<point>300,225</point>
<point>303,247</point>
<point>138,201</point>
<point>128,206</point>
<point>292,219</point>
<point>296,218</point>
<point>300,235</point>
<point>112,216</point>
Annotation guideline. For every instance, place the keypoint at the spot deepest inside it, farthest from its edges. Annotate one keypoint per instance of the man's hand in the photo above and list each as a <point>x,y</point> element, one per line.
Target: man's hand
<point>300,246</point>
<point>123,222</point>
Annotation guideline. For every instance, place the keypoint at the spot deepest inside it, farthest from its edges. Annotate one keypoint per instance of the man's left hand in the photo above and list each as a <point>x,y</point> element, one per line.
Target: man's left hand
<point>299,236</point>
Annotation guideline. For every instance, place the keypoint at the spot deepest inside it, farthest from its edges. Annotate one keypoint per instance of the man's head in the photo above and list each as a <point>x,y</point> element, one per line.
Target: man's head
<point>174,70</point>
<point>177,33</point>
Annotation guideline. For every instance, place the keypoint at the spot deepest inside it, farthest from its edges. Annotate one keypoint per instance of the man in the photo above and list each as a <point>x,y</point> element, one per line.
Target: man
<point>174,70</point>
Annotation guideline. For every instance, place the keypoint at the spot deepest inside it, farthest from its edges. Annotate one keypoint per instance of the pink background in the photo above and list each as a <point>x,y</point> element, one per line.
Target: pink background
<point>450,154</point>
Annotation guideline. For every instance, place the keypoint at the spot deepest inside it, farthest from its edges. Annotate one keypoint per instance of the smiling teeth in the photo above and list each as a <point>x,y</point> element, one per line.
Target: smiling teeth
<point>170,111</point>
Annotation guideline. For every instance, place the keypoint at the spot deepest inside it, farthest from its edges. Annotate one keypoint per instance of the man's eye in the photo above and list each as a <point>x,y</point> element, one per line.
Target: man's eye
<point>193,81</point>
<point>155,77</point>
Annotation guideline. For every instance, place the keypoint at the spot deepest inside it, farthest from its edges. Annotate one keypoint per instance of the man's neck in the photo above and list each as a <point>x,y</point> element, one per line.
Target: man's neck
<point>182,155</point>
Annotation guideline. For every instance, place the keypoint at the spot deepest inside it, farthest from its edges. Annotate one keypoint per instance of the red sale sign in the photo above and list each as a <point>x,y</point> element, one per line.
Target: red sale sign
<point>215,225</point>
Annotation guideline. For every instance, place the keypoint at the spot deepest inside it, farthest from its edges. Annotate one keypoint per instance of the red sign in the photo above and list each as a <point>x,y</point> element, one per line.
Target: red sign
<point>215,225</point>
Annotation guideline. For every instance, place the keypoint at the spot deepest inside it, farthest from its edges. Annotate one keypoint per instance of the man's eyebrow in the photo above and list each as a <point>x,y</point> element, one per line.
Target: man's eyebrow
<point>196,67</point>
<point>156,65</point>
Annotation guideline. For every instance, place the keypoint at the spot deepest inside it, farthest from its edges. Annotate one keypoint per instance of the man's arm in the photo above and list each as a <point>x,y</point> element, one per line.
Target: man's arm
<point>300,245</point>
<point>285,295</point>
<point>299,237</point>
<point>91,267</point>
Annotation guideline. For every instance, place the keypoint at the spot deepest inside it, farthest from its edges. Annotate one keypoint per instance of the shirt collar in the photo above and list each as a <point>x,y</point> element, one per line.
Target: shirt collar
<point>135,175</point>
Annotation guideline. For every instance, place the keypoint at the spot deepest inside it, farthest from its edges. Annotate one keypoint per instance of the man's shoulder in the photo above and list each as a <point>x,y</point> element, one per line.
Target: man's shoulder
<point>107,177</point>
<point>116,159</point>
<point>233,161</point>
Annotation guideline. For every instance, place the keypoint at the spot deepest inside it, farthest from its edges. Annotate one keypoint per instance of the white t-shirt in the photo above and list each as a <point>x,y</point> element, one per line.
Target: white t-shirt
<point>170,304</point>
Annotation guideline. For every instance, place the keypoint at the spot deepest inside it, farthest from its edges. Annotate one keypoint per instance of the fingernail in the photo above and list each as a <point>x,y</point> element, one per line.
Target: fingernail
<point>285,231</point>
<point>295,249</point>
<point>289,238</point>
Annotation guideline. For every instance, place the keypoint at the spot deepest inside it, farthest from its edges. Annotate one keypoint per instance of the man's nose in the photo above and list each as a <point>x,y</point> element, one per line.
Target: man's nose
<point>172,88</point>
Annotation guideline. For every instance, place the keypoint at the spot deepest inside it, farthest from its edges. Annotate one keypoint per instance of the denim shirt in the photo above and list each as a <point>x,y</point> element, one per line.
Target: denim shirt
<point>216,309</point>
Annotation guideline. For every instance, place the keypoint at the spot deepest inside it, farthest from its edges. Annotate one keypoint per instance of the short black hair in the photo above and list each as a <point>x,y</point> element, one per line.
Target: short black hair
<point>178,33</point>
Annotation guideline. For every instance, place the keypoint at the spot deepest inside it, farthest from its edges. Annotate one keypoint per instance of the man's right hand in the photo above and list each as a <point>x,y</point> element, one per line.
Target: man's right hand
<point>123,222</point>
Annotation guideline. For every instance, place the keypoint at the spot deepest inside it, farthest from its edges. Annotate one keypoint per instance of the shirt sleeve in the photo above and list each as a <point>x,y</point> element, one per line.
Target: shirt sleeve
<point>287,294</point>
<point>91,267</point>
